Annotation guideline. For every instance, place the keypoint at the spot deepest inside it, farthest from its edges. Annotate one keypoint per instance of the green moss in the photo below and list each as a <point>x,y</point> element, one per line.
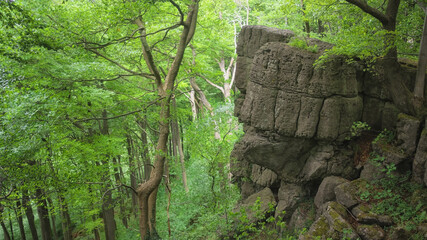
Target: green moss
<point>339,223</point>
<point>405,116</point>
<point>321,227</point>
<point>365,208</point>
<point>340,209</point>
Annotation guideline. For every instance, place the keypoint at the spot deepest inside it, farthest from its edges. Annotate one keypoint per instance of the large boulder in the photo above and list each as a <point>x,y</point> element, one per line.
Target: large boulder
<point>331,224</point>
<point>258,204</point>
<point>407,133</point>
<point>289,196</point>
<point>347,194</point>
<point>325,192</point>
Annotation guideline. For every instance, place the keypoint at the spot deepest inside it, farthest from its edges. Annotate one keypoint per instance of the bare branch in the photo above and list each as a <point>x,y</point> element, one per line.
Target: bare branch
<point>211,83</point>
<point>148,57</point>
<point>179,10</point>
<point>363,5</point>
<point>118,64</point>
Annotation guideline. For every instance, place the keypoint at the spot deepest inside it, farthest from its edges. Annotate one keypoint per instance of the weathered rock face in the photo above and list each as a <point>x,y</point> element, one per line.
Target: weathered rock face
<point>295,116</point>
<point>296,120</point>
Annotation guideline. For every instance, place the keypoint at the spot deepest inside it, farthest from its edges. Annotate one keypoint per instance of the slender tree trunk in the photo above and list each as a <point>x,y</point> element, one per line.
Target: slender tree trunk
<point>107,201</point>
<point>144,152</point>
<point>117,177</point>
<point>96,234</point>
<point>65,219</point>
<point>178,144</point>
<point>52,218</point>
<point>306,26</point>
<point>193,103</point>
<point>147,192</point>
<point>168,193</point>
<point>19,213</point>
<point>30,215</point>
<point>43,213</point>
<point>3,225</point>
<point>132,173</point>
<point>5,231</point>
<point>422,64</point>
<point>320,27</point>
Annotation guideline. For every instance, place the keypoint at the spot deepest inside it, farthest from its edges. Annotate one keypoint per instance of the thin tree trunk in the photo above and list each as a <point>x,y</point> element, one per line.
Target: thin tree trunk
<point>3,225</point>
<point>178,144</point>
<point>122,192</point>
<point>43,213</point>
<point>168,193</point>
<point>144,152</point>
<point>30,215</point>
<point>19,213</point>
<point>193,103</point>
<point>52,218</point>
<point>107,200</point>
<point>132,174</point>
<point>5,231</point>
<point>96,234</point>
<point>65,219</point>
<point>306,26</point>
<point>147,192</point>
<point>422,64</point>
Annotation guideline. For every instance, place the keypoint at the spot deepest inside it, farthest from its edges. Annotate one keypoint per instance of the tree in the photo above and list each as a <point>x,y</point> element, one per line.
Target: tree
<point>147,191</point>
<point>402,97</point>
<point>422,59</point>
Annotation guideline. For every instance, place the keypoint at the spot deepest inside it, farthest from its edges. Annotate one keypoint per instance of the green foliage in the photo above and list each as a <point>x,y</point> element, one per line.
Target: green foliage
<point>386,136</point>
<point>302,43</point>
<point>357,128</point>
<point>261,225</point>
<point>394,194</point>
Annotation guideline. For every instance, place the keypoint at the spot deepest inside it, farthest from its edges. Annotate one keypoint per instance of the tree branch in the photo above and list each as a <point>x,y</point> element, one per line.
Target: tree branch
<point>148,57</point>
<point>7,195</point>
<point>211,83</point>
<point>118,64</point>
<point>370,10</point>
<point>179,10</point>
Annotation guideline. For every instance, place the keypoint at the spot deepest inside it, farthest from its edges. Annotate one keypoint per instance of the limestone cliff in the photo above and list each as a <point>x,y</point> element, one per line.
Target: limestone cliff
<point>297,118</point>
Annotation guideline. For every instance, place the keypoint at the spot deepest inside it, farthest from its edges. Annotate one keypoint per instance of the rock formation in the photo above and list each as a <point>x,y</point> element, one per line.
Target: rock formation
<point>297,121</point>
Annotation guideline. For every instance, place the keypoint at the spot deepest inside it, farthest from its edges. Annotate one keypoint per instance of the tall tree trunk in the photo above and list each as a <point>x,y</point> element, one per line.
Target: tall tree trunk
<point>422,64</point>
<point>177,144</point>
<point>65,219</point>
<point>132,174</point>
<point>96,234</point>
<point>107,201</point>
<point>43,213</point>
<point>144,152</point>
<point>117,177</point>
<point>168,193</point>
<point>52,218</point>
<point>193,102</point>
<point>5,231</point>
<point>147,191</point>
<point>19,213</point>
<point>30,215</point>
<point>3,225</point>
<point>306,26</point>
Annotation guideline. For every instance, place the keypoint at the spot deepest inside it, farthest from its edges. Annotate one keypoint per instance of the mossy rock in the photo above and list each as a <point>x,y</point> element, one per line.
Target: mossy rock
<point>347,194</point>
<point>406,116</point>
<point>371,232</point>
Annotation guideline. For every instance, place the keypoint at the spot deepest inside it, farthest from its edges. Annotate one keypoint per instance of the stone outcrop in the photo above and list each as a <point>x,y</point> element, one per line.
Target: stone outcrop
<point>297,122</point>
